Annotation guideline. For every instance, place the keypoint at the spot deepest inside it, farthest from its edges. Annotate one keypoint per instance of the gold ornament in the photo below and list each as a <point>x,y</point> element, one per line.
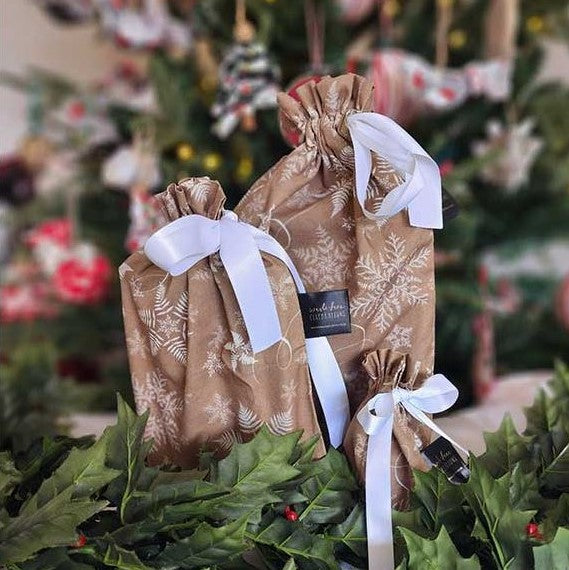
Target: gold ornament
<point>457,39</point>
<point>35,152</point>
<point>244,168</point>
<point>391,8</point>
<point>535,24</point>
<point>445,3</point>
<point>185,152</point>
<point>212,161</point>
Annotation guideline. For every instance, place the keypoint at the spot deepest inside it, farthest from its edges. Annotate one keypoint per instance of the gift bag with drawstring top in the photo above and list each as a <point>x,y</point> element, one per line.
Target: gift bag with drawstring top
<point>214,335</point>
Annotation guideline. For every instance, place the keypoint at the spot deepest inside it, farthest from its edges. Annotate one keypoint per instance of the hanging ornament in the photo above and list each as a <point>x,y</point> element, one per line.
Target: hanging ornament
<point>212,161</point>
<point>244,169</point>
<point>248,80</point>
<point>68,11</point>
<point>26,302</point>
<point>185,152</point>
<point>83,278</point>
<point>314,18</point>
<point>501,28</point>
<point>207,65</point>
<point>123,168</point>
<point>56,231</point>
<point>145,218</point>
<point>562,303</point>
<point>354,11</point>
<point>144,24</point>
<point>512,150</point>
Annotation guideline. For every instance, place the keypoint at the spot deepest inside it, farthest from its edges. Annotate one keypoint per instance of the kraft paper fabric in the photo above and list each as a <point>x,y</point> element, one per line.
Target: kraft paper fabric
<point>307,202</point>
<point>190,358</point>
<point>388,369</point>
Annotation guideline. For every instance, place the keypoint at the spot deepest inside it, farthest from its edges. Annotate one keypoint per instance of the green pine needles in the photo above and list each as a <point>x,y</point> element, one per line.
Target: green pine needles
<point>77,504</point>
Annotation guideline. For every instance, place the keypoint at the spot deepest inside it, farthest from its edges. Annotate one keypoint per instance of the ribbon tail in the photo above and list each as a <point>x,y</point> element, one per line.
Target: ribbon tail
<point>378,498</point>
<point>248,276</point>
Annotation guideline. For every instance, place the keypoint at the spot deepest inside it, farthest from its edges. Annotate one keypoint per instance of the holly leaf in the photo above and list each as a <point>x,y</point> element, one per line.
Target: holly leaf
<point>207,545</point>
<point>504,448</point>
<point>262,463</point>
<point>437,554</point>
<point>293,540</point>
<point>48,525</point>
<point>439,500</point>
<point>559,386</point>
<point>117,557</point>
<point>328,487</point>
<point>555,517</point>
<point>555,554</point>
<point>352,532</point>
<point>54,559</point>
<point>554,455</point>
<point>489,500</point>
<point>524,489</point>
<point>9,476</point>
<point>290,565</point>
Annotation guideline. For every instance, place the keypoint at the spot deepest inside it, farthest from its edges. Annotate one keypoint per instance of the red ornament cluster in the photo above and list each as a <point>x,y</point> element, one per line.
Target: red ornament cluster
<point>290,514</point>
<point>82,282</point>
<point>57,231</point>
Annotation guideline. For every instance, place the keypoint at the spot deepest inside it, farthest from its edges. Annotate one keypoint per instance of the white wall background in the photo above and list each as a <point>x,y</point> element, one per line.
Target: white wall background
<point>30,38</point>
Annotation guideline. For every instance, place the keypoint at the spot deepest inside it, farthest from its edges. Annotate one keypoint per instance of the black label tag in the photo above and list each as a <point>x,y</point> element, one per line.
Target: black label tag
<point>325,313</point>
<point>443,455</point>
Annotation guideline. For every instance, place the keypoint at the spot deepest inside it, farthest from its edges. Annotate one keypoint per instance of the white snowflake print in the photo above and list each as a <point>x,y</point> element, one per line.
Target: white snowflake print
<point>389,284</point>
<point>136,343</point>
<point>399,337</point>
<point>360,448</point>
<point>325,262</point>
<point>153,394</point>
<point>298,161</point>
<point>213,364</point>
<point>167,323</point>
<point>254,207</point>
<point>288,390</point>
<point>340,193</point>
<point>284,291</point>
<point>304,197</point>
<point>240,351</point>
<point>281,423</point>
<point>249,421</point>
<point>219,410</point>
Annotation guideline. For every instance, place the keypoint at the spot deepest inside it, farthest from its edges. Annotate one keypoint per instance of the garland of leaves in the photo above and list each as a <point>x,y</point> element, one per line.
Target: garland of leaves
<point>77,504</point>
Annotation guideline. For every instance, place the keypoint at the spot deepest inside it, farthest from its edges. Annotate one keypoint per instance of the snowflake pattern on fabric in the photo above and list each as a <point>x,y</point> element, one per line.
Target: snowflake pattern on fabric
<point>240,351</point>
<point>325,262</point>
<point>153,394</point>
<point>399,337</point>
<point>136,343</point>
<point>213,364</point>
<point>389,284</point>
<point>218,411</point>
<point>284,291</point>
<point>166,323</point>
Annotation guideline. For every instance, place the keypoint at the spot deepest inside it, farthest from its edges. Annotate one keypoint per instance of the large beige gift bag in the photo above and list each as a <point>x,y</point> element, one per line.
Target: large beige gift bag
<point>352,219</point>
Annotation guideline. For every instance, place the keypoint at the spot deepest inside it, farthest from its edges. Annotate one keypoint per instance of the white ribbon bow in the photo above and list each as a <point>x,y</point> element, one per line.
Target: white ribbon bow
<point>420,192</point>
<point>376,417</point>
<point>178,246</point>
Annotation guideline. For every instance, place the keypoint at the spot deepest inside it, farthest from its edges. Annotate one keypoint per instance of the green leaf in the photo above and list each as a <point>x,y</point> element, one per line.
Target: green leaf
<point>554,555</point>
<point>259,464</point>
<point>9,476</point>
<point>555,461</point>
<point>524,489</point>
<point>117,557</point>
<point>54,559</point>
<point>328,487</point>
<point>51,524</point>
<point>440,501</point>
<point>207,545</point>
<point>352,532</point>
<point>438,554</point>
<point>489,500</point>
<point>290,565</point>
<point>295,541</point>
<point>555,517</point>
<point>83,470</point>
<point>504,448</point>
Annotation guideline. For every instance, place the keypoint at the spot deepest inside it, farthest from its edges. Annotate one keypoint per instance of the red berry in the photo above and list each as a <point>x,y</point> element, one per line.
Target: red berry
<point>532,530</point>
<point>290,514</point>
<point>81,541</point>
<point>76,110</point>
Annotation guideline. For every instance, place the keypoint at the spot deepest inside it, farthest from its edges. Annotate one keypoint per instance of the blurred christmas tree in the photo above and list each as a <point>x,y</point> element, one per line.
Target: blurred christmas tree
<point>461,76</point>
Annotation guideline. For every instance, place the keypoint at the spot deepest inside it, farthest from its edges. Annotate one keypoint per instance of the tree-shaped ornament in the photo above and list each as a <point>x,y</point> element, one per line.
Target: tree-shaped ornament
<point>248,80</point>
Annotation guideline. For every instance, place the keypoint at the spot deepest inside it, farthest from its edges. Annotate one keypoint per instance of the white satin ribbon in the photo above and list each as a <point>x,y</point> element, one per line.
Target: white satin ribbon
<point>420,192</point>
<point>178,246</point>
<point>376,417</point>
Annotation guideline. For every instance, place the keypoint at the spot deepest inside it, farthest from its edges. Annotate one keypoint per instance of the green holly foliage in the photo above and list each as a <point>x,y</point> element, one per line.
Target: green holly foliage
<point>231,515</point>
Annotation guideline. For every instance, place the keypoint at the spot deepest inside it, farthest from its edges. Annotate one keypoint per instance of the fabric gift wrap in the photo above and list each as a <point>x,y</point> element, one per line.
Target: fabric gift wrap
<point>190,354</point>
<point>353,205</point>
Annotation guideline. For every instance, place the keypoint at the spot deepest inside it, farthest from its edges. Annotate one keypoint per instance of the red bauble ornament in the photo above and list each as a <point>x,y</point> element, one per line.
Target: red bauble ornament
<point>290,514</point>
<point>82,282</point>
<point>532,530</point>
<point>57,231</point>
<point>446,167</point>
<point>289,132</point>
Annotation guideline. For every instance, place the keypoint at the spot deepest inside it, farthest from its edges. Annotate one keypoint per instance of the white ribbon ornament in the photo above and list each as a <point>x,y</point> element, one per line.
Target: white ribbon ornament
<point>376,417</point>
<point>178,246</point>
<point>420,192</point>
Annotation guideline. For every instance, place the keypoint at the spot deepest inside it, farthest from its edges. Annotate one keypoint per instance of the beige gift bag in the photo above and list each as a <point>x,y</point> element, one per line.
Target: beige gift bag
<point>388,369</point>
<point>191,360</point>
<point>309,202</point>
